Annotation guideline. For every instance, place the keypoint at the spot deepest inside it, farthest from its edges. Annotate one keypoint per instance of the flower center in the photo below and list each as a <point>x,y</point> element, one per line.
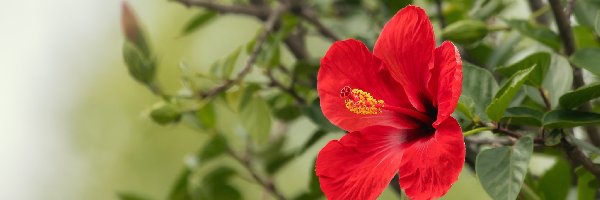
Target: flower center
<point>361,102</point>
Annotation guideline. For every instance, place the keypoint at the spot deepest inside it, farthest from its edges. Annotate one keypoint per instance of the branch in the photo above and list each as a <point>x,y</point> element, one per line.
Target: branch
<point>309,15</point>
<point>257,49</point>
<point>536,6</point>
<point>266,184</point>
<point>440,13</point>
<point>564,28</point>
<point>545,98</point>
<point>235,9</point>
<point>577,155</point>
<point>288,90</point>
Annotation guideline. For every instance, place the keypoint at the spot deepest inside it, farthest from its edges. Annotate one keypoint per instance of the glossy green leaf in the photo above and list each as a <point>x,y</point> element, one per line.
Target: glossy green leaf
<point>501,171</point>
<point>587,59</point>
<point>580,96</point>
<point>198,21</point>
<point>466,107</point>
<point>165,113</point>
<point>555,183</point>
<point>314,113</point>
<point>569,119</point>
<point>585,184</point>
<point>213,148</point>
<point>256,119</point>
<point>539,33</point>
<point>556,83</point>
<point>541,60</point>
<point>465,31</point>
<point>479,86</point>
<point>140,65</point>
<point>505,95</point>
<point>523,116</point>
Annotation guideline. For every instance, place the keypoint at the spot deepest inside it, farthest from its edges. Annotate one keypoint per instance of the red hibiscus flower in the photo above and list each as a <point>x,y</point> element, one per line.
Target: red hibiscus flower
<point>395,104</point>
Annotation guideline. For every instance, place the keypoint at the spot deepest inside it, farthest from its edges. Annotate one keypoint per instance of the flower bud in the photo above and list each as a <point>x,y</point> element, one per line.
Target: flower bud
<point>131,28</point>
<point>465,31</point>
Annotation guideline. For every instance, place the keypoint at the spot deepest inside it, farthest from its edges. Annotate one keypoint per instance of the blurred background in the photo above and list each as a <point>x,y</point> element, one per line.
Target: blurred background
<point>74,125</point>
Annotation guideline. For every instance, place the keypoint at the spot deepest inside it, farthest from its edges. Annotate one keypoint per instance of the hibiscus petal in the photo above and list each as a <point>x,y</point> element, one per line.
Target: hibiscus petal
<point>431,164</point>
<point>361,164</point>
<point>349,63</point>
<point>445,83</point>
<point>406,44</point>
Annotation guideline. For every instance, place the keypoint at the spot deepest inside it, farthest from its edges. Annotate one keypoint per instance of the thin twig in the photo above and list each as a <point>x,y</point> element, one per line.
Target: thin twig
<point>234,9</point>
<point>309,15</point>
<point>579,157</point>
<point>257,49</point>
<point>440,13</point>
<point>283,88</point>
<point>564,28</point>
<point>545,98</point>
<point>266,184</point>
<point>536,6</point>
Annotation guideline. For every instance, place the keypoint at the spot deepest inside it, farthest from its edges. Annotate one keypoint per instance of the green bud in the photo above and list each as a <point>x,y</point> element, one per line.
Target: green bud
<point>141,67</point>
<point>132,29</point>
<point>165,113</point>
<point>465,31</point>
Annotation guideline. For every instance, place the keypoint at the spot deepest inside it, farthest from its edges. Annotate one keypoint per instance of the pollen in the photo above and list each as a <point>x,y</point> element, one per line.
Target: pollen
<point>361,102</point>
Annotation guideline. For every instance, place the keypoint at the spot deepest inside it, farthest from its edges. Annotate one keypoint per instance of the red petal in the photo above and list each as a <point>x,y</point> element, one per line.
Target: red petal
<point>430,165</point>
<point>406,44</point>
<point>349,63</point>
<point>446,80</point>
<point>361,164</point>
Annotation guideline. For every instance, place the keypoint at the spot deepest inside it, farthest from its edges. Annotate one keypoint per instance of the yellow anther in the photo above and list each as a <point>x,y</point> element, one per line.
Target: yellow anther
<point>361,102</point>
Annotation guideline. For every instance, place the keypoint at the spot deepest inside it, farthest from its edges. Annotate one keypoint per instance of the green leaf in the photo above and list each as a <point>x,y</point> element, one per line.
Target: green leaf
<point>215,185</point>
<point>229,63</point>
<point>213,148</point>
<point>483,9</point>
<point>558,80</point>
<point>314,113</point>
<point>140,66</point>
<point>555,183</point>
<point>179,190</point>
<point>480,86</point>
<point>585,181</point>
<point>585,12</point>
<point>198,21</point>
<point>165,113</point>
<point>205,116</point>
<point>588,59</point>
<point>541,60</point>
<point>539,33</point>
<point>580,96</point>
<point>256,119</point>
<point>131,196</point>
<point>501,170</point>
<point>597,24</point>
<point>523,116</point>
<point>465,31</point>
<point>466,106</point>
<point>278,161</point>
<point>569,119</point>
<point>505,95</point>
